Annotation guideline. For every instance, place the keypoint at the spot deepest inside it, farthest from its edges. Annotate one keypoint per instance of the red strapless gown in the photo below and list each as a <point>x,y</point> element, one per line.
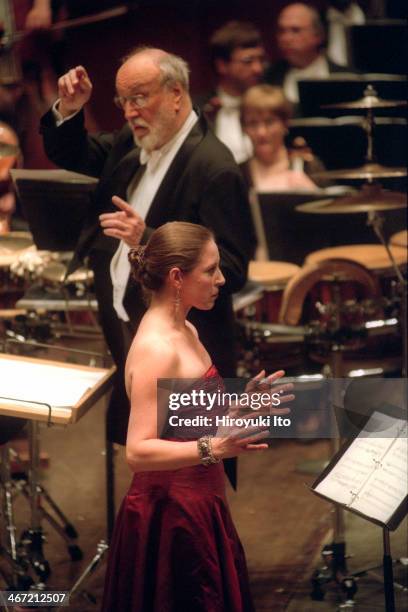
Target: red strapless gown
<point>175,547</point>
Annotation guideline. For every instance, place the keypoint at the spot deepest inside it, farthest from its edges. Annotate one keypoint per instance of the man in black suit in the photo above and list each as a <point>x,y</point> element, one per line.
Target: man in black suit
<point>163,165</point>
<point>301,39</point>
<point>238,59</point>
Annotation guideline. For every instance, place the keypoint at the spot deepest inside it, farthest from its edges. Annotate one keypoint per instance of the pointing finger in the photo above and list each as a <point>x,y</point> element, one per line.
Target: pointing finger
<point>123,206</point>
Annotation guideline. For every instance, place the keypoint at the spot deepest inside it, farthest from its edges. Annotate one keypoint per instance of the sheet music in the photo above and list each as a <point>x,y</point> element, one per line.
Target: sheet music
<point>372,475</point>
<point>54,385</point>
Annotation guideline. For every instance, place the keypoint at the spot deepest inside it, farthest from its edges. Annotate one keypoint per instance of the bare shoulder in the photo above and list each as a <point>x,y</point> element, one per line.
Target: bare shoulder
<point>152,358</point>
<point>192,328</point>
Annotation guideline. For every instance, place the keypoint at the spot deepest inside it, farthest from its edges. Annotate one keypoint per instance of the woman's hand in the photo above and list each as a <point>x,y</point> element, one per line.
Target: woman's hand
<point>237,443</point>
<point>258,388</point>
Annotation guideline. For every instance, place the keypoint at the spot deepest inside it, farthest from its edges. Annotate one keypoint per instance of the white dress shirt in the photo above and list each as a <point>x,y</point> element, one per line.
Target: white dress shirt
<point>338,21</point>
<point>141,198</point>
<point>228,127</point>
<point>319,68</point>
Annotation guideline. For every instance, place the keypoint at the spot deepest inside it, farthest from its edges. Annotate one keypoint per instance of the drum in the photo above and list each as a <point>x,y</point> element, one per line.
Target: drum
<point>76,284</point>
<point>12,245</point>
<point>73,294</point>
<point>339,299</point>
<point>273,276</point>
<point>374,257</point>
<point>400,239</point>
<point>333,293</point>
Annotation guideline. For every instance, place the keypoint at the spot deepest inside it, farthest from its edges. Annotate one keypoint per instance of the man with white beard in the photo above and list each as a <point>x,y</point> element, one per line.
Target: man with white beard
<point>163,165</point>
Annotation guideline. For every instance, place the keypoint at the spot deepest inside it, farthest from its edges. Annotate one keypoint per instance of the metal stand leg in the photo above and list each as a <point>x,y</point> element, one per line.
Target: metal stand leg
<point>101,549</point>
<point>10,545</point>
<point>32,539</point>
<point>388,573</point>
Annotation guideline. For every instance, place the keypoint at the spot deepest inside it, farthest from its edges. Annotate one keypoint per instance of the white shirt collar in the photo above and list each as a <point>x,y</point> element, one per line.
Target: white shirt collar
<point>228,101</point>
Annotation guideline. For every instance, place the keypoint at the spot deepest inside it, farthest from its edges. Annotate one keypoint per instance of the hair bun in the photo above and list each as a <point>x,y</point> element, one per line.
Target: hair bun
<point>136,256</point>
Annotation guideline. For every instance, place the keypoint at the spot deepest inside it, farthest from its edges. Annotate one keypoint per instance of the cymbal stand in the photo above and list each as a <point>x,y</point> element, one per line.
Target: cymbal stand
<point>376,221</point>
<point>369,123</point>
<point>28,551</point>
<point>334,554</point>
<point>8,546</point>
<point>32,539</point>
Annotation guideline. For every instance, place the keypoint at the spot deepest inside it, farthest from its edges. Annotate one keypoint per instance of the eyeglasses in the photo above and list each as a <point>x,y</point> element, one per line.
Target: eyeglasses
<point>251,59</point>
<point>137,101</point>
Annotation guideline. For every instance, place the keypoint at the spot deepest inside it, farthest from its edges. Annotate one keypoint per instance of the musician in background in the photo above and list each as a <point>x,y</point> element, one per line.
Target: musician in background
<point>341,14</point>
<point>301,41</point>
<point>265,114</point>
<point>9,158</point>
<point>238,59</point>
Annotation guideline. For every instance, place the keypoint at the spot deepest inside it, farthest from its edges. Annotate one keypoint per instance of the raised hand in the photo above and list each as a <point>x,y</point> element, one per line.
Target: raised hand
<point>74,90</point>
<point>263,385</point>
<point>125,224</point>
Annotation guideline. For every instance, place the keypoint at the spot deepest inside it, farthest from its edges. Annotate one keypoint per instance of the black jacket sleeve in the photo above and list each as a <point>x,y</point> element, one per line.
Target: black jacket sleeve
<point>69,146</point>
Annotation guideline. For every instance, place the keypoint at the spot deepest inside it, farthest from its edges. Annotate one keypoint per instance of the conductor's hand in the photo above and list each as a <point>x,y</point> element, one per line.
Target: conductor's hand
<point>39,17</point>
<point>125,224</point>
<point>74,90</point>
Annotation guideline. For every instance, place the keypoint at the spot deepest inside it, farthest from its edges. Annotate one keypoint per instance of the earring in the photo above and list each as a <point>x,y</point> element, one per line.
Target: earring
<point>177,301</point>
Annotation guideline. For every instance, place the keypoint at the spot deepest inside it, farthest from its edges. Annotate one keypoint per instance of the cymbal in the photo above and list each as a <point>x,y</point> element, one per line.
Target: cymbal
<point>369,198</point>
<point>368,101</point>
<point>367,171</point>
<point>55,273</point>
<point>12,245</point>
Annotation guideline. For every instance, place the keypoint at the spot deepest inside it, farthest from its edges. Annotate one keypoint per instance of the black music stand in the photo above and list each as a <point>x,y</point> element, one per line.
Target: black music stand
<point>367,411</point>
<point>55,203</point>
<point>290,235</point>
<point>369,56</point>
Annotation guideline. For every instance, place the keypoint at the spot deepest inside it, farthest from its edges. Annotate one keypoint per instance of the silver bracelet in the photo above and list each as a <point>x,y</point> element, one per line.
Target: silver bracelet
<point>205,451</point>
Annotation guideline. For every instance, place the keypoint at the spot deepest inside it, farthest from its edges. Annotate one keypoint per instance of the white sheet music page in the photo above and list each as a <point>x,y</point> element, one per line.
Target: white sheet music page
<point>372,475</point>
<point>57,386</point>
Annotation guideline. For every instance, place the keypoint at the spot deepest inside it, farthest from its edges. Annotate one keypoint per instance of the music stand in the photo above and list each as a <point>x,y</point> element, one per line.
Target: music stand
<point>55,204</point>
<point>374,409</point>
<point>53,392</point>
<point>289,235</point>
<point>369,56</point>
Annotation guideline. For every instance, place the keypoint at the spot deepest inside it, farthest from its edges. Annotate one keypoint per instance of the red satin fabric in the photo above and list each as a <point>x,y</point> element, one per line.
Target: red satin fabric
<point>175,547</point>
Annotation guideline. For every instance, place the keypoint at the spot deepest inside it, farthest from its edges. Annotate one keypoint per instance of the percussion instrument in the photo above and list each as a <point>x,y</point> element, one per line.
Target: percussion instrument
<point>369,101</point>
<point>368,171</point>
<point>273,277</point>
<point>12,245</point>
<point>400,239</point>
<point>373,256</point>
<point>77,283</point>
<point>328,291</point>
<point>371,197</point>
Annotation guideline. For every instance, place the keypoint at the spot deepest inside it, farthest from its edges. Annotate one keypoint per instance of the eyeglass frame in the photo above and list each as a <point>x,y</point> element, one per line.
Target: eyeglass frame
<point>121,101</point>
<point>251,59</point>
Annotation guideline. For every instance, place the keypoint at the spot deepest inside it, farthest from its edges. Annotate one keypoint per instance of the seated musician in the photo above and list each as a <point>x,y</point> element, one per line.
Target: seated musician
<point>9,158</point>
<point>265,115</point>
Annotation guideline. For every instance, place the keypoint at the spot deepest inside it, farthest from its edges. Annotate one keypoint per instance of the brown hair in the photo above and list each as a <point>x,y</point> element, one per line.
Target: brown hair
<point>234,35</point>
<point>173,245</point>
<point>266,98</point>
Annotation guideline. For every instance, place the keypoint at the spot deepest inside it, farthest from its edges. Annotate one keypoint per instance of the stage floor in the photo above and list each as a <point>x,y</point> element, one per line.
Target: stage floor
<point>283,526</point>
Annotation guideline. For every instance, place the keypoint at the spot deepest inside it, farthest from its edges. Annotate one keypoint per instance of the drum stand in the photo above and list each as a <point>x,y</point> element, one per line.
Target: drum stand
<point>376,221</point>
<point>29,551</point>
<point>334,554</point>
